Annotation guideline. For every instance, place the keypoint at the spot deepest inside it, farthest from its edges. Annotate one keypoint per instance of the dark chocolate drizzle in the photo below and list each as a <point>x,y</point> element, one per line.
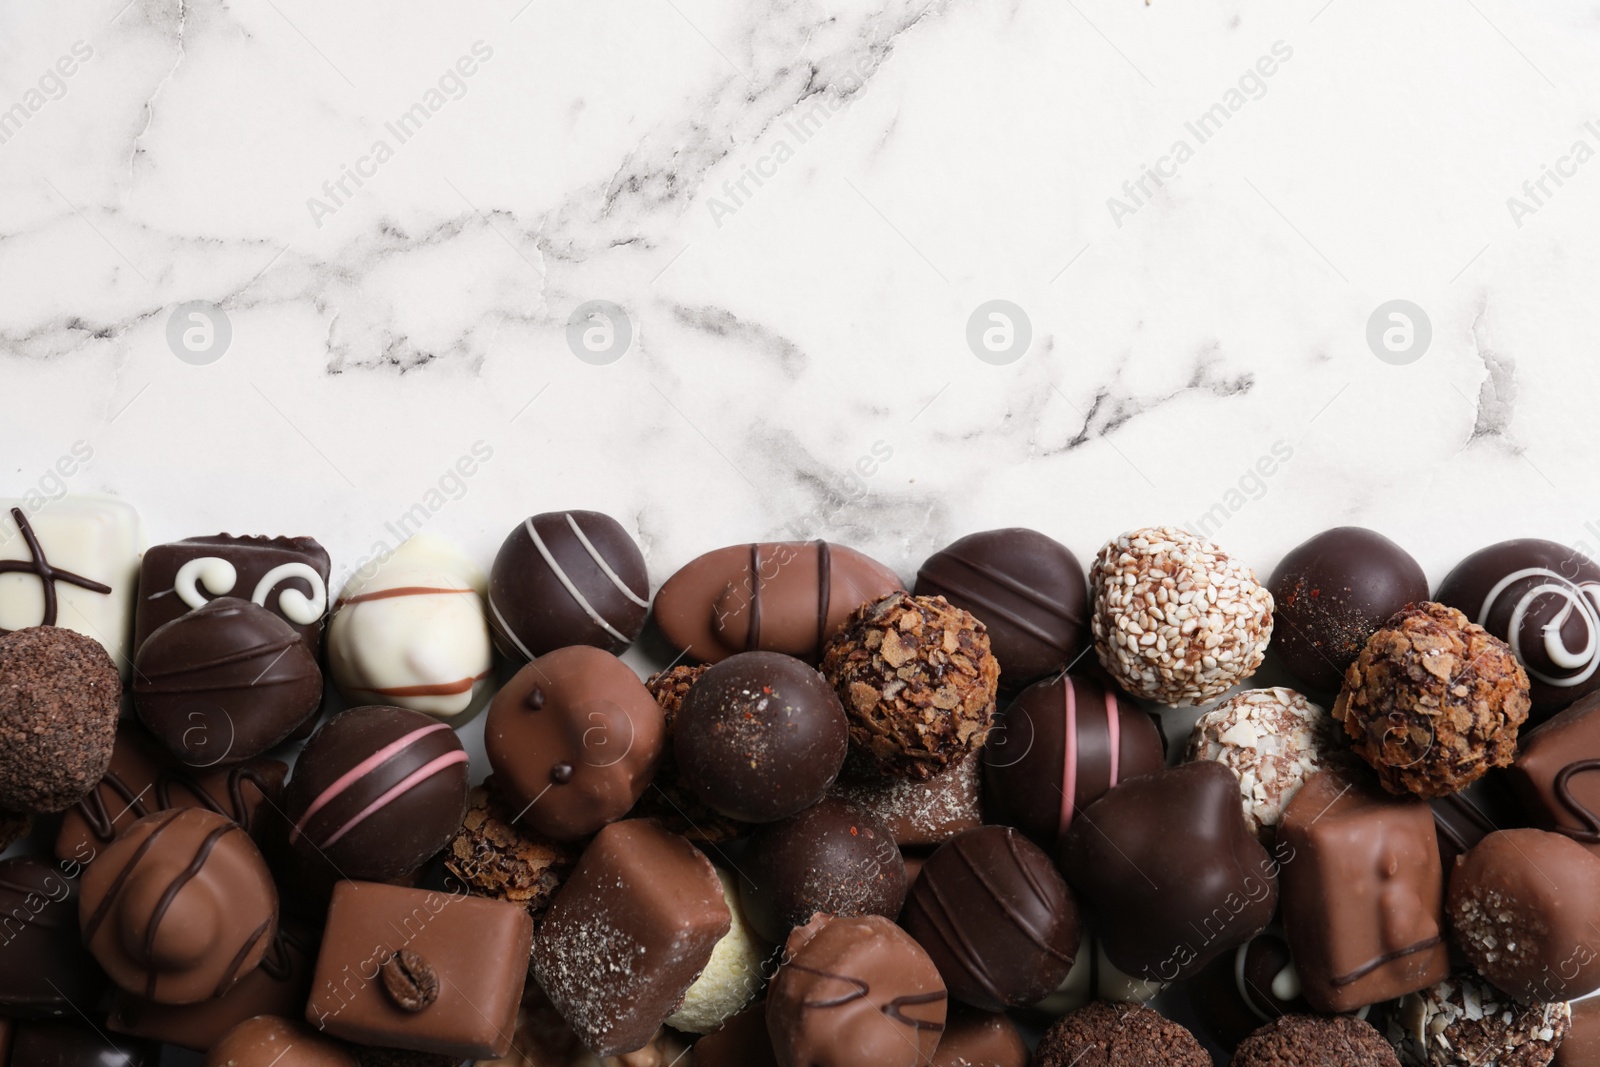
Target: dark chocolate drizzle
<point>1340,980</point>
<point>102,823</point>
<point>91,925</point>
<point>752,634</point>
<point>38,566</point>
<point>1563,791</point>
<point>278,963</point>
<point>859,990</point>
<point>824,592</point>
<point>231,975</point>
<point>164,905</point>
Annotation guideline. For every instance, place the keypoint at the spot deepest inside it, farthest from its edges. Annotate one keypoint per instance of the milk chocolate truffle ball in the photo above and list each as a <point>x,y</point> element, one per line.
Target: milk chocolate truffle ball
<point>1176,619</point>
<point>1061,746</point>
<point>376,792</point>
<point>179,907</point>
<point>1315,1041</point>
<point>760,737</point>
<point>833,858</point>
<point>574,739</point>
<point>1521,904</point>
<point>266,1040</point>
<point>855,992</point>
<point>1104,1034</point>
<point>1433,702</point>
<point>917,680</point>
<point>995,917</point>
<point>1466,1022</point>
<point>1027,589</point>
<point>60,695</point>
<point>225,682</point>
<point>1332,593</point>
<point>567,578</point>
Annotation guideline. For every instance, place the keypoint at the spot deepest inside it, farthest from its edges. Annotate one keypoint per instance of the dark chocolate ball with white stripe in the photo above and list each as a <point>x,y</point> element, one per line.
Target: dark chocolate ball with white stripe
<point>1059,747</point>
<point>377,792</point>
<point>1028,589</point>
<point>567,578</point>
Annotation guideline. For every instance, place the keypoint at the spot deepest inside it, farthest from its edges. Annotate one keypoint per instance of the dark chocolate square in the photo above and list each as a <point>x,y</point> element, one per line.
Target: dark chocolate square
<point>286,575</point>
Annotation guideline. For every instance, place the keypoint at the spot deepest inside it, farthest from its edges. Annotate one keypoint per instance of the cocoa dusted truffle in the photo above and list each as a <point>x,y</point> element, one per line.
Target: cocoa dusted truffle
<point>1176,619</point>
<point>1104,1034</point>
<point>494,858</point>
<point>60,696</point>
<point>917,680</point>
<point>1466,1022</point>
<point>1315,1041</point>
<point>1433,702</point>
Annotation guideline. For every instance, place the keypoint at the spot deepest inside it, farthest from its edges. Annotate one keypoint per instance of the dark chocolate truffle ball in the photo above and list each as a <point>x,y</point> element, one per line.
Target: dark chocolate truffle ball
<point>376,792</point>
<point>44,969</point>
<point>996,918</point>
<point>1027,589</point>
<point>917,680</point>
<point>1059,747</point>
<point>670,802</point>
<point>1433,702</point>
<point>1106,1034</point>
<point>567,578</point>
<point>225,682</point>
<point>1542,599</point>
<point>60,695</point>
<point>833,858</point>
<point>760,736</point>
<point>1315,1041</point>
<point>1332,593</point>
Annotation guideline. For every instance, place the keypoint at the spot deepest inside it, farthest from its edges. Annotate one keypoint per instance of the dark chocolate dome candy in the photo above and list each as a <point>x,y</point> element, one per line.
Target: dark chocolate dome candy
<point>833,857</point>
<point>376,792</point>
<point>567,578</point>
<point>44,969</point>
<point>760,736</point>
<point>995,917</point>
<point>1060,746</point>
<point>1027,589</point>
<point>179,907</point>
<point>225,682</point>
<point>1542,599</point>
<point>1332,593</point>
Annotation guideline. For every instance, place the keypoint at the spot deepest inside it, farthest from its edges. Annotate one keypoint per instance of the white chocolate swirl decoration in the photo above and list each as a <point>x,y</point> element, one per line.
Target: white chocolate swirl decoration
<point>215,574</point>
<point>205,578</point>
<point>1581,597</point>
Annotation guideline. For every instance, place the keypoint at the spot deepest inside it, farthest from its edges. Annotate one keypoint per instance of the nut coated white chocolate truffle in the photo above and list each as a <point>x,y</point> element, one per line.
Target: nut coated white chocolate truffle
<point>1273,739</point>
<point>732,977</point>
<point>1176,619</point>
<point>414,634</point>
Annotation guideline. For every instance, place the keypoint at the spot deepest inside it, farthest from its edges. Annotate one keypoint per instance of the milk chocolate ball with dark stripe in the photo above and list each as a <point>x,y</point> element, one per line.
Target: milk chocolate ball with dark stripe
<point>995,917</point>
<point>567,578</point>
<point>1028,589</point>
<point>377,791</point>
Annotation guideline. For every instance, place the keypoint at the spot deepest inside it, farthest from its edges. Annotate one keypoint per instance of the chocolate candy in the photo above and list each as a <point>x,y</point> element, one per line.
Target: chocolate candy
<point>267,1040</point>
<point>421,970</point>
<point>1310,1039</point>
<point>179,907</point>
<point>1062,745</point>
<point>59,700</point>
<point>413,634</point>
<point>628,934</point>
<point>574,739</point>
<point>567,578</point>
<point>743,1042</point>
<point>732,976</point>
<point>833,858</point>
<point>496,859</point>
<point>45,971</point>
<point>760,737</point>
<point>1557,773</point>
<point>1462,819</point>
<point>996,919</point>
<point>1170,872</point>
<point>225,682</point>
<point>1105,1034</point>
<point>1543,599</point>
<point>1524,905</point>
<point>787,596</point>
<point>918,813</point>
<point>1243,989</point>
<point>1332,593</point>
<point>1273,739</point>
<point>1094,977</point>
<point>287,576</point>
<point>1362,893</point>
<point>1582,1045</point>
<point>376,792</point>
<point>1028,590</point>
<point>974,1038</point>
<point>144,779</point>
<point>855,992</point>
<point>73,564</point>
<point>1466,1021</point>
<point>60,1045</point>
<point>669,801</point>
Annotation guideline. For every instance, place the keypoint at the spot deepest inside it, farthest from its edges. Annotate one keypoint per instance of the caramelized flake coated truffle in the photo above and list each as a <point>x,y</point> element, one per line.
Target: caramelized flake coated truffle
<point>1176,619</point>
<point>917,680</point>
<point>1315,1041</point>
<point>496,859</point>
<point>1433,701</point>
<point>1466,1022</point>
<point>60,695</point>
<point>1273,739</point>
<point>1104,1034</point>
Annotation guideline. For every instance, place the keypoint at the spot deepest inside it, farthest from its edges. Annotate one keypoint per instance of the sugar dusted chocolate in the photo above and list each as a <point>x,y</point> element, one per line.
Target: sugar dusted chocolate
<point>918,812</point>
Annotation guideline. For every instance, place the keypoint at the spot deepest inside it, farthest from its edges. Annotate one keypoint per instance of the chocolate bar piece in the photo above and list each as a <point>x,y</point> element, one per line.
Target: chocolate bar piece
<point>1557,773</point>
